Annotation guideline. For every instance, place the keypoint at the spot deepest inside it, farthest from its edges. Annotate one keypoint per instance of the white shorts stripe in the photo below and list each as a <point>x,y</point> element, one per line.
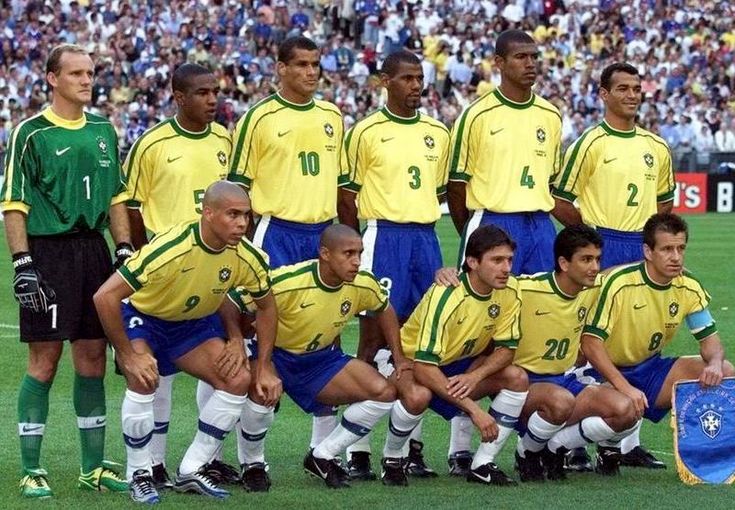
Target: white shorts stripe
<point>472,224</point>
<point>369,239</point>
<point>260,230</point>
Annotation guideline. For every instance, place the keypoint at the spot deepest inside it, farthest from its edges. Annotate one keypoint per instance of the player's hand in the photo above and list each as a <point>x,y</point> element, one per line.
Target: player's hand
<point>123,251</point>
<point>711,375</point>
<point>268,386</point>
<point>142,368</point>
<point>462,385</point>
<point>29,287</point>
<point>486,425</point>
<point>447,277</point>
<point>640,402</point>
<point>401,365</point>
<point>232,358</point>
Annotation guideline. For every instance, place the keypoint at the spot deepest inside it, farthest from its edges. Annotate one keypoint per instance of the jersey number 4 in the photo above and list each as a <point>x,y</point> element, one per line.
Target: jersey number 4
<point>527,178</point>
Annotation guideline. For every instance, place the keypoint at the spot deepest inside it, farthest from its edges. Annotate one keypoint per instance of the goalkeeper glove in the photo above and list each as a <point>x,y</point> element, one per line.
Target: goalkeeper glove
<point>31,291</point>
<point>123,251</point>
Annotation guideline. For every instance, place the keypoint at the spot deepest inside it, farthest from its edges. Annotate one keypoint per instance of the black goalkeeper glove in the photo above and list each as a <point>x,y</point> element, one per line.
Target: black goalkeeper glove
<point>29,288</point>
<point>123,251</point>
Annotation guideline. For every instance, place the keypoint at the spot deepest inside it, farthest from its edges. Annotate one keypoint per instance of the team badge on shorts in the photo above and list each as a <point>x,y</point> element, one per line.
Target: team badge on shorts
<point>581,314</point>
<point>648,159</point>
<point>429,141</point>
<point>329,130</point>
<point>222,158</point>
<point>224,274</point>
<point>493,310</point>
<point>673,308</point>
<point>540,134</point>
<point>345,307</point>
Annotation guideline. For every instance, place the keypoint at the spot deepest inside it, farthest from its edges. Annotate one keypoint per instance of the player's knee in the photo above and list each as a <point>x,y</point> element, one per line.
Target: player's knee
<point>623,414</point>
<point>416,399</point>
<point>727,369</point>
<point>237,384</point>
<point>43,368</point>
<point>382,390</point>
<point>516,378</point>
<point>559,406</point>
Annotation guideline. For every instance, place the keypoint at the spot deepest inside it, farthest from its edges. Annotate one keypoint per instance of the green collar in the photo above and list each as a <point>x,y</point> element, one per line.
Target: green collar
<point>189,134</point>
<point>196,227</point>
<point>400,120</point>
<point>511,103</point>
<point>294,106</point>
<point>614,132</point>
<point>472,292</point>
<point>318,279</point>
<point>649,281</point>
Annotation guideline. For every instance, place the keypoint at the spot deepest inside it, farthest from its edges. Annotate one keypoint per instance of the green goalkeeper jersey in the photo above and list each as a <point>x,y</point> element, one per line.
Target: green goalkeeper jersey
<point>64,175</point>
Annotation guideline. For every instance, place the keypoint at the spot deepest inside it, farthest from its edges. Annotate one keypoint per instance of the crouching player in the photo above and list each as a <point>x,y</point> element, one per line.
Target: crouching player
<point>176,284</point>
<point>316,299</point>
<point>462,341</point>
<point>555,305</point>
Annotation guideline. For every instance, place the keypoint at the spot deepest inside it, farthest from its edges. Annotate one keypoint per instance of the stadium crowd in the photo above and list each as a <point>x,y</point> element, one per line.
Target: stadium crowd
<point>684,50</point>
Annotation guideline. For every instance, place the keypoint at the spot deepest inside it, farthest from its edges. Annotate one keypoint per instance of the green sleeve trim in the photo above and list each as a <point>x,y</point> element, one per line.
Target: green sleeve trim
<point>511,343</point>
<point>666,197</point>
<point>234,297</point>
<point>706,332</point>
<point>460,176</point>
<point>133,204</point>
<point>351,186</point>
<point>564,195</point>
<point>441,190</point>
<point>427,357</point>
<point>382,307</point>
<point>591,330</point>
<point>260,294</point>
<point>342,180</point>
<point>129,278</point>
<point>240,179</point>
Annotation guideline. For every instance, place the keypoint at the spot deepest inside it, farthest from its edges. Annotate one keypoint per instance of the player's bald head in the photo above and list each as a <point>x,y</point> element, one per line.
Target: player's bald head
<point>221,192</point>
<point>336,234</point>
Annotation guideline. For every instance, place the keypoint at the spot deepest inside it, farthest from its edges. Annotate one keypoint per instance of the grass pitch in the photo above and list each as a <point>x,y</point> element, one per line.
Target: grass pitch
<point>712,239</point>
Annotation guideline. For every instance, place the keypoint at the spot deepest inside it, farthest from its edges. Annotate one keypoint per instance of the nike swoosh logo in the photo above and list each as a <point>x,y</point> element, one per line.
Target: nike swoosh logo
<point>136,442</point>
<point>606,161</point>
<point>171,160</point>
<point>539,312</point>
<point>483,478</point>
<point>493,133</point>
<point>307,305</point>
<point>31,429</point>
<point>460,321</point>
<point>186,269</point>
<point>508,421</point>
<point>638,307</point>
<point>284,133</point>
<point>59,152</point>
<point>100,421</point>
<point>387,139</point>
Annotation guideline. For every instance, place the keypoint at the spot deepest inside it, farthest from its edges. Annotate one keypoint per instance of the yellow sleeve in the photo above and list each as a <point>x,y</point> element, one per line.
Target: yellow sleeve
<point>576,169</point>
<point>349,177</point>
<point>149,265</point>
<point>666,182</point>
<point>600,316</point>
<point>245,153</point>
<point>255,278</point>
<point>459,166</point>
<point>443,174</point>
<point>373,296</point>
<point>136,169</point>
<point>242,300</point>
<point>433,332</point>
<point>508,331</point>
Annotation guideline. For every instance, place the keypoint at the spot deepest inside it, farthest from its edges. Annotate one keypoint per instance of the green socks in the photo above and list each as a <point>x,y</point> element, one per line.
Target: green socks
<point>32,413</point>
<point>89,404</point>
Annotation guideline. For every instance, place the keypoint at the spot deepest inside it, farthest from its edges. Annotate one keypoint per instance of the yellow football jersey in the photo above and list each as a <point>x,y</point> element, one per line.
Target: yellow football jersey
<point>178,277</point>
<point>452,323</point>
<point>288,155</point>
<point>168,169</point>
<point>397,167</point>
<point>552,323</point>
<point>636,317</point>
<point>617,177</point>
<point>507,153</point>
<point>310,313</point>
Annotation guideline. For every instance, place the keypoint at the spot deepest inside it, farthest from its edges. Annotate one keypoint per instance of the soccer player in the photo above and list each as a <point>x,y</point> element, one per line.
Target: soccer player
<point>505,150</point>
<point>185,153</point>
<point>396,161</point>
<point>555,306</point>
<point>287,151</point>
<point>620,174</point>
<point>63,187</point>
<point>315,300</point>
<point>176,284</point>
<point>449,336</point>
<point>641,306</point>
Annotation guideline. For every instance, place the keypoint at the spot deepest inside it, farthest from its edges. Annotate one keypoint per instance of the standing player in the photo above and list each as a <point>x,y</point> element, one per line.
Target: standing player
<point>62,188</point>
<point>316,299</point>
<point>185,153</point>
<point>620,174</point>
<point>505,151</point>
<point>448,336</point>
<point>287,151</point>
<point>640,308</point>
<point>396,160</point>
<point>176,284</point>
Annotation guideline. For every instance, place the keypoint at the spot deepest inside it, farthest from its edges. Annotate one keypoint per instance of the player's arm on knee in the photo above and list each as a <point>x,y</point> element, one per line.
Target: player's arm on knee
<point>388,323</point>
<point>268,384</point>
<point>713,355</point>
<point>464,385</point>
<point>233,357</point>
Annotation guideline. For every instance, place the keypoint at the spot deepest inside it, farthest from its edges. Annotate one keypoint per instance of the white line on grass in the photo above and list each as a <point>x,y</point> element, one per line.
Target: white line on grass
<point>670,454</point>
<point>8,326</point>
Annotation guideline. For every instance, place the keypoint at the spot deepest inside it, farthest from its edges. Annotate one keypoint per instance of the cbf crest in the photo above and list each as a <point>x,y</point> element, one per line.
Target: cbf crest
<point>581,314</point>
<point>222,158</point>
<point>540,134</point>
<point>329,130</point>
<point>224,274</point>
<point>345,307</point>
<point>673,308</point>
<point>429,141</point>
<point>648,159</point>
<point>102,145</point>
<point>493,310</point>
<point>711,421</point>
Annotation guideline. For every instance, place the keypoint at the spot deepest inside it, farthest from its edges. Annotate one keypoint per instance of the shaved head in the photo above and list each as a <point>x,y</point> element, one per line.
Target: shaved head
<point>335,234</point>
<point>219,192</point>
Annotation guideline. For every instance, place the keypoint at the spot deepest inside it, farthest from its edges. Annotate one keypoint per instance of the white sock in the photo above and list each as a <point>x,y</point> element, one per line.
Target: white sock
<point>631,440</point>
<point>204,393</point>
<point>254,424</point>
<point>361,445</point>
<point>216,420</point>
<point>137,429</point>
<point>506,408</point>
<point>615,440</point>
<point>161,417</point>
<point>590,430</point>
<point>460,438</point>
<point>357,420</point>
<point>321,427</point>
<point>538,433</point>
<point>400,425</point>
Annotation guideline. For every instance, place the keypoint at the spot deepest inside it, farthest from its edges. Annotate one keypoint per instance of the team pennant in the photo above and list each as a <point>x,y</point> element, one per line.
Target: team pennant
<point>704,432</point>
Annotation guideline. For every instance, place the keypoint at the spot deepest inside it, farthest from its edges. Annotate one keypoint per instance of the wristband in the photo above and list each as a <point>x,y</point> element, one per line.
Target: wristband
<point>22,259</point>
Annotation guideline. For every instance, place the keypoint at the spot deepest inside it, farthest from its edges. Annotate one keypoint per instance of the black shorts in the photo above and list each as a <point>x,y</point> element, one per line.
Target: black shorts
<point>74,266</point>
